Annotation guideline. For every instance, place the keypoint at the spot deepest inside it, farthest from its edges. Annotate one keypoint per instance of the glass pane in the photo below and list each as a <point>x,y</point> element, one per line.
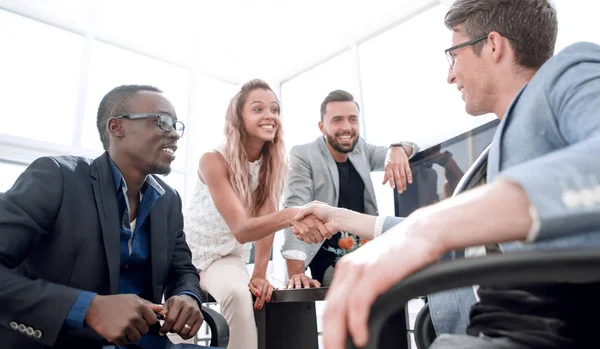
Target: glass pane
<point>71,11</point>
<point>10,172</point>
<point>577,21</point>
<point>177,181</point>
<point>40,72</point>
<point>112,66</point>
<point>404,89</point>
<point>302,97</point>
<point>164,28</point>
<point>405,93</point>
<point>211,101</point>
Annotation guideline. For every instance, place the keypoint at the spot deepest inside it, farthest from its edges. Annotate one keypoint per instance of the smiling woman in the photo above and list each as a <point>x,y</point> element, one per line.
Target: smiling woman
<point>234,203</point>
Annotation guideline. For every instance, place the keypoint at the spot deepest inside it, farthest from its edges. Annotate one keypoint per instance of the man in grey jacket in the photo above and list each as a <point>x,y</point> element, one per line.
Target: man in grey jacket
<point>336,169</point>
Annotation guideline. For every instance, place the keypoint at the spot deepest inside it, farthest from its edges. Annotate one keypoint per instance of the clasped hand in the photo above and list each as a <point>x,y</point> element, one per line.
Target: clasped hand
<point>123,319</point>
<point>315,222</point>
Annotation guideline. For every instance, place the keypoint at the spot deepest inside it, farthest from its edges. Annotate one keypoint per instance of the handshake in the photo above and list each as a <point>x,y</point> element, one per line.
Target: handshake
<point>318,221</point>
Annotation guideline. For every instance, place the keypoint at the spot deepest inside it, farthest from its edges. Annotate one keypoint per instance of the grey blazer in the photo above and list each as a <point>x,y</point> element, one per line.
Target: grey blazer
<point>59,233</point>
<point>313,175</point>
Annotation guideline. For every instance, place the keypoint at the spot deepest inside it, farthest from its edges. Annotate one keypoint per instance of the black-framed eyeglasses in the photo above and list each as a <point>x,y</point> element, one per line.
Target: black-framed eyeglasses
<point>452,58</point>
<point>163,120</point>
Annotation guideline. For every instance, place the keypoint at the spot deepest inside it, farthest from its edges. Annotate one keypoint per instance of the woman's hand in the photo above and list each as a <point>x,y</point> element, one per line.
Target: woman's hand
<point>262,289</point>
<point>310,229</point>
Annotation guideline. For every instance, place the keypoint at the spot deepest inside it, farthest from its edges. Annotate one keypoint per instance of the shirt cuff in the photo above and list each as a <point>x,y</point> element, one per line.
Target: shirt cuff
<point>294,254</point>
<point>76,317</point>
<point>414,146</point>
<point>536,224</point>
<point>378,226</point>
<point>192,294</point>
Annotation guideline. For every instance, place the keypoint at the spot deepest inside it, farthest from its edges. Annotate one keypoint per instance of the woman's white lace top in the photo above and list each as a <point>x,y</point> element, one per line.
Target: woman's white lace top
<point>207,234</point>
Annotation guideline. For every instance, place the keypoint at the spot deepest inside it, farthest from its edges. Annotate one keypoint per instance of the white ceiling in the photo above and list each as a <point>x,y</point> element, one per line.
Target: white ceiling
<point>231,39</point>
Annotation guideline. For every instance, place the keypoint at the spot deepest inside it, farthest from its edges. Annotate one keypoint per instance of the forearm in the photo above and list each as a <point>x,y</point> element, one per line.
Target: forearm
<point>294,267</point>
<point>262,252</point>
<point>355,223</point>
<point>254,229</point>
<point>495,213</point>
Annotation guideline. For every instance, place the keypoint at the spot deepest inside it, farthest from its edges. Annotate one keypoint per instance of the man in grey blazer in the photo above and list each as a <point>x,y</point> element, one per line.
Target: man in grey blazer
<point>88,248</point>
<point>336,169</point>
<point>542,190</point>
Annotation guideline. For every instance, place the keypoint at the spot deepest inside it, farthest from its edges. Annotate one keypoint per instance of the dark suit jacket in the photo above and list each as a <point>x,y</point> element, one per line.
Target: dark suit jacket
<point>59,233</point>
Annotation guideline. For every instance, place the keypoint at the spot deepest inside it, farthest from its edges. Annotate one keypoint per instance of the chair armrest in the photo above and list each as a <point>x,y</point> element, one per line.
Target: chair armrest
<point>518,268</point>
<point>219,330</point>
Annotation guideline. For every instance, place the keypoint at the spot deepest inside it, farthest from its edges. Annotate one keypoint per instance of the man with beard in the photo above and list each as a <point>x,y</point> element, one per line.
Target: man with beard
<point>336,169</point>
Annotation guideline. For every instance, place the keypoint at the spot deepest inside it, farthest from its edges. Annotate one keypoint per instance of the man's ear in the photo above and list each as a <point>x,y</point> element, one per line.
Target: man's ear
<point>499,46</point>
<point>114,127</point>
<point>322,127</point>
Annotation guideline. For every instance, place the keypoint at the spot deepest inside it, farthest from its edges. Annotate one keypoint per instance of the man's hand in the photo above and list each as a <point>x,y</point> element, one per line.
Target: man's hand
<point>397,169</point>
<point>182,316</point>
<point>322,213</point>
<point>310,230</point>
<point>121,319</point>
<point>262,289</point>
<point>360,277</point>
<point>301,281</point>
<point>338,219</point>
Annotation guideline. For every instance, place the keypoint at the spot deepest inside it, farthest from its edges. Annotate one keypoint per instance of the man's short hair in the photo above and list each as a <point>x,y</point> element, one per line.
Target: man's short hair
<point>336,96</point>
<point>531,24</point>
<point>114,103</point>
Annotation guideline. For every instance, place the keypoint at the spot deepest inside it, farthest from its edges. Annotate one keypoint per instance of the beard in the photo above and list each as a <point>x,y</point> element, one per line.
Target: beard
<point>341,148</point>
<point>161,169</point>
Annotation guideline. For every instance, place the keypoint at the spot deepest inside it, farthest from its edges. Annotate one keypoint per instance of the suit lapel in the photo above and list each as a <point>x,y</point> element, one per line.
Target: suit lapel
<point>331,166</point>
<point>158,247</point>
<point>495,154</point>
<point>106,203</point>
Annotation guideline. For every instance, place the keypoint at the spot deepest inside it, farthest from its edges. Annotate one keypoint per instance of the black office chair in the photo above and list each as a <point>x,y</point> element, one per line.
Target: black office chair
<point>219,330</point>
<point>423,331</point>
<point>519,268</point>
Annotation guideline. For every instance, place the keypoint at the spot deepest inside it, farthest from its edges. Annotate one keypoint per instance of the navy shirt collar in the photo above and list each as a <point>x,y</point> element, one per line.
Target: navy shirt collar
<point>120,181</point>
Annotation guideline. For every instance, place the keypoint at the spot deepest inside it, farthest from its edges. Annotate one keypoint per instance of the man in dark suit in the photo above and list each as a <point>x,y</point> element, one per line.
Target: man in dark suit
<point>89,248</point>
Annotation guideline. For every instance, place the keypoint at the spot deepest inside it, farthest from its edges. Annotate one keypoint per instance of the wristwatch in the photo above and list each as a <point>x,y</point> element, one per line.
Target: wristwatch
<point>405,145</point>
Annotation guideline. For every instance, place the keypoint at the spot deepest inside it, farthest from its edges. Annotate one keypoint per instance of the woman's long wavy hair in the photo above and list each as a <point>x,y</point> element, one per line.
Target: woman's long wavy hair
<point>272,169</point>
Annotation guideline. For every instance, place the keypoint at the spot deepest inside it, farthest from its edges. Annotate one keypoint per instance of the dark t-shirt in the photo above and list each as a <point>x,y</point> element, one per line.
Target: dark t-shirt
<point>352,197</point>
<point>546,316</point>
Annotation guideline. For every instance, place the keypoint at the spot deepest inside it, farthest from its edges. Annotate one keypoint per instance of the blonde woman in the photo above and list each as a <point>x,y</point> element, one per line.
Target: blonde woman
<point>235,202</point>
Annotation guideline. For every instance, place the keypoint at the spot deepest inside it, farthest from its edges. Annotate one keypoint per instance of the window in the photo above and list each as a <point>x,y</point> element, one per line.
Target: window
<point>403,76</point>
<point>211,102</point>
<point>112,66</point>
<point>166,29</point>
<point>10,172</point>
<point>404,89</point>
<point>302,97</point>
<point>71,12</point>
<point>176,181</point>
<point>577,21</point>
<point>40,70</point>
